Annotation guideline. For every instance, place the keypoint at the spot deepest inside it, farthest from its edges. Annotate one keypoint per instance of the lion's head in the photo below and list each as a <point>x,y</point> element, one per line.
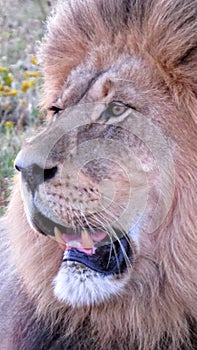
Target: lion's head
<point>111,177</point>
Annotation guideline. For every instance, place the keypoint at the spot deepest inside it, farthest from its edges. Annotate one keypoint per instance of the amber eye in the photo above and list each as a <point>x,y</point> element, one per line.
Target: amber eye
<point>117,108</point>
<point>113,110</point>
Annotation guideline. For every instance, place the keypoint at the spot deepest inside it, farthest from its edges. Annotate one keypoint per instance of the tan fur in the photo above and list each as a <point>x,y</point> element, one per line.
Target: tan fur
<point>159,304</point>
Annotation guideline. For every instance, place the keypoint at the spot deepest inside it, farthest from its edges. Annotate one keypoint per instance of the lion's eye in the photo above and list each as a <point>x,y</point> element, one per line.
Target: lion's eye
<point>115,109</point>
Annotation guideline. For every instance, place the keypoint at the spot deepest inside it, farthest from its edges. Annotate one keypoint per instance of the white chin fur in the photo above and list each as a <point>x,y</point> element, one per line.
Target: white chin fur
<point>78,286</point>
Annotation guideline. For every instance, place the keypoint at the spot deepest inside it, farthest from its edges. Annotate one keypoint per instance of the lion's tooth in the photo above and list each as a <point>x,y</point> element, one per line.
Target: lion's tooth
<point>74,244</point>
<point>87,241</point>
<point>59,239</point>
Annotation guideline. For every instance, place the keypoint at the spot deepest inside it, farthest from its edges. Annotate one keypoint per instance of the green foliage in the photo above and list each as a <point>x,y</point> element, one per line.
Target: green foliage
<point>10,144</point>
<point>21,25</point>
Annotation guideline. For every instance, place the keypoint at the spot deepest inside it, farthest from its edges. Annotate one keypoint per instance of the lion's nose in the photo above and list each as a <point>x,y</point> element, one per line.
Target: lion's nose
<point>34,175</point>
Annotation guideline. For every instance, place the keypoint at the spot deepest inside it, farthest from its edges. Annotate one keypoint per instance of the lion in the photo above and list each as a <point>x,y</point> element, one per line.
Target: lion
<point>98,245</point>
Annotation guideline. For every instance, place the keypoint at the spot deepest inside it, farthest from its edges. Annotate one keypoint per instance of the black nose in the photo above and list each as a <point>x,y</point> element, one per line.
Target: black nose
<point>34,175</point>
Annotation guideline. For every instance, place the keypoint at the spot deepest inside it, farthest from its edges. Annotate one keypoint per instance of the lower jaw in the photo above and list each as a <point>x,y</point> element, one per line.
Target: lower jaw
<point>108,258</point>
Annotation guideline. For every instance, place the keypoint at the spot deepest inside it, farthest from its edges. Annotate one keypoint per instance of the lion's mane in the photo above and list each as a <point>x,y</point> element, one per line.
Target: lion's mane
<point>159,310</point>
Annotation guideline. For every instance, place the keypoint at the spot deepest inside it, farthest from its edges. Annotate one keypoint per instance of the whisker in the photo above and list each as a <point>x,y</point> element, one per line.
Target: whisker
<point>117,204</point>
<point>86,221</point>
<point>79,220</point>
<point>114,234</point>
<point>104,224</point>
<point>120,226</point>
<point>110,229</point>
<point>127,260</point>
<point>106,229</point>
<point>111,234</point>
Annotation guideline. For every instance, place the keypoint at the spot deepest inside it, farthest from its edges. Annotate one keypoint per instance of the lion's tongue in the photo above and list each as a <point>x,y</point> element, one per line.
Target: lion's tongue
<point>84,242</point>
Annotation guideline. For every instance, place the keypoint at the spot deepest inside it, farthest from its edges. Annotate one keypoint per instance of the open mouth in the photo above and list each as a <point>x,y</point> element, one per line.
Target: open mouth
<point>91,247</point>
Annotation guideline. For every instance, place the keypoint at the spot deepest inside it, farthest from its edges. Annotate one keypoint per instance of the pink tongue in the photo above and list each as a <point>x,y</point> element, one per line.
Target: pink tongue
<point>96,237</point>
<point>86,251</point>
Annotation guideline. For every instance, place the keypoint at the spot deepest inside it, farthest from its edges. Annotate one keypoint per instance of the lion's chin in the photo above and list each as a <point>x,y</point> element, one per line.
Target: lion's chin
<point>86,279</point>
<point>90,279</point>
<point>78,286</point>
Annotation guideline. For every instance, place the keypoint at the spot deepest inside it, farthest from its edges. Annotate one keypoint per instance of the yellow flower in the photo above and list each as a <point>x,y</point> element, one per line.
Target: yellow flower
<point>28,74</point>
<point>27,84</point>
<point>7,106</point>
<point>14,92</point>
<point>3,69</point>
<point>9,124</point>
<point>6,88</point>
<point>10,93</point>
<point>34,60</point>
<point>1,87</point>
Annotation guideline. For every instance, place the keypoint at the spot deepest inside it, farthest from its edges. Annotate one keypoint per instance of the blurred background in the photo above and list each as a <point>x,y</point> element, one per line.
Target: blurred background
<point>22,26</point>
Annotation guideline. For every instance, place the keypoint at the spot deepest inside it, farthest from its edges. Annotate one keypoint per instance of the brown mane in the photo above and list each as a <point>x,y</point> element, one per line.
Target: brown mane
<point>159,309</point>
<point>161,32</point>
